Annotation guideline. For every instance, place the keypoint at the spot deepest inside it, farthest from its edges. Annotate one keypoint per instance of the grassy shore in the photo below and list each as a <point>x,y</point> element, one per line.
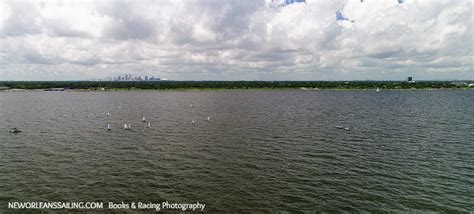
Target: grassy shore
<point>220,85</point>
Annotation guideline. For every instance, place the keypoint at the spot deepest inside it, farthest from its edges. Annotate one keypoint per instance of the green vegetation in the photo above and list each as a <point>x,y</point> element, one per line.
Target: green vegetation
<point>116,85</point>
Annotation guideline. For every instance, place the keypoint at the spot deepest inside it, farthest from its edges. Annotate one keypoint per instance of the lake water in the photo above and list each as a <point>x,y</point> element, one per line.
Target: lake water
<point>261,151</point>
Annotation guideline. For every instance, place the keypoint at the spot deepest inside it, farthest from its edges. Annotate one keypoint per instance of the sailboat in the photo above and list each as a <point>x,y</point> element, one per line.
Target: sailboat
<point>149,124</point>
<point>208,118</point>
<point>108,114</point>
<point>109,127</point>
<point>377,90</point>
<point>125,126</point>
<point>143,119</point>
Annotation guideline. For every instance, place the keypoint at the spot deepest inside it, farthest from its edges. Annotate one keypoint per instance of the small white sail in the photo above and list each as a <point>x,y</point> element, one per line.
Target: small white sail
<point>192,121</point>
<point>208,118</point>
<point>120,107</point>
<point>125,126</point>
<point>109,127</point>
<point>129,126</point>
<point>191,105</point>
<point>108,113</point>
<point>149,124</point>
<point>378,89</point>
<point>143,119</point>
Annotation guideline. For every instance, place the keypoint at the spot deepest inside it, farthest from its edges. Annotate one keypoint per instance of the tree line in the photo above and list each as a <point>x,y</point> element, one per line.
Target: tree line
<point>230,84</point>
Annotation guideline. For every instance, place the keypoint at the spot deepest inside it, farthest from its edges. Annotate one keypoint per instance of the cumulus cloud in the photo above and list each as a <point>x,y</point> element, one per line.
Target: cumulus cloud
<point>234,40</point>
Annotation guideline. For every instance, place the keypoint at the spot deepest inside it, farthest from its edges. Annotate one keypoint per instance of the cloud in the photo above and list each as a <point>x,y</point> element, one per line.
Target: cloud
<point>15,22</point>
<point>318,39</point>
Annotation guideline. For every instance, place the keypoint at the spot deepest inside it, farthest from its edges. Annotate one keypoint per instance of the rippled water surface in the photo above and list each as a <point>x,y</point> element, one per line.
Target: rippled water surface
<point>261,151</point>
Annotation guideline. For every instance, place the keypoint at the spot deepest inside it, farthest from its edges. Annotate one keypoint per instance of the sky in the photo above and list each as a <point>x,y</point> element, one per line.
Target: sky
<point>237,40</point>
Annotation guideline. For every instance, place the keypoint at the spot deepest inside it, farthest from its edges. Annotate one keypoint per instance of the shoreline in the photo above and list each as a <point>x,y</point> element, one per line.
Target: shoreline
<point>233,85</point>
<point>237,89</point>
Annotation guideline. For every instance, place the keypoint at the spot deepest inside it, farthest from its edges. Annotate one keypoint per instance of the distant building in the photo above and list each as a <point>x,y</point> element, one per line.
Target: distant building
<point>154,78</point>
<point>4,88</point>
<point>471,85</point>
<point>129,77</point>
<point>409,79</point>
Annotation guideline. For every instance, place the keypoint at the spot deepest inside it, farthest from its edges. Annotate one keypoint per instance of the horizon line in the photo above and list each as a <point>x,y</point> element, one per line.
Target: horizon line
<point>367,80</point>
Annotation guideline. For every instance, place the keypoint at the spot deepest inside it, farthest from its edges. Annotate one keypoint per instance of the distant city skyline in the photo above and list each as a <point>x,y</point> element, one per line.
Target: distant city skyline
<point>237,40</point>
<point>130,77</point>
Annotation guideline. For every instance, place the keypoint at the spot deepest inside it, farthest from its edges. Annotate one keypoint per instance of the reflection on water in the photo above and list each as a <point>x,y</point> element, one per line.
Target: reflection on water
<point>259,151</point>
